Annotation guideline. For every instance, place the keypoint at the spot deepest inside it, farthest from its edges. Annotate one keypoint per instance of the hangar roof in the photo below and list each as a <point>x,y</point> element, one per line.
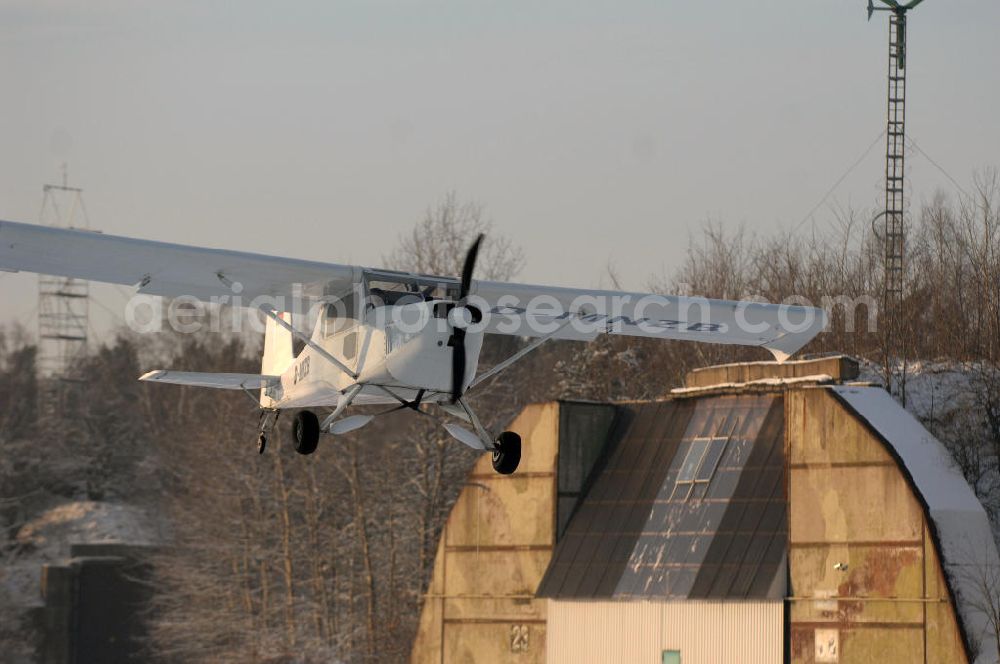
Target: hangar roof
<point>959,523</point>
<point>690,504</point>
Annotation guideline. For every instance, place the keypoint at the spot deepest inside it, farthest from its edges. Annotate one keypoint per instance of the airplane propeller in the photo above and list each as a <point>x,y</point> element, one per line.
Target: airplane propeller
<point>458,350</point>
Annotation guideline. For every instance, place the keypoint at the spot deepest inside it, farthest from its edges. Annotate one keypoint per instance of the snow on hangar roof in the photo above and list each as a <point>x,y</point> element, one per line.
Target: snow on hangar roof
<point>960,525</point>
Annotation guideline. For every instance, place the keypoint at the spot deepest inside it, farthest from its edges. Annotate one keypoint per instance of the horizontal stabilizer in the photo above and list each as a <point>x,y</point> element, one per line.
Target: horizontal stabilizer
<point>222,381</point>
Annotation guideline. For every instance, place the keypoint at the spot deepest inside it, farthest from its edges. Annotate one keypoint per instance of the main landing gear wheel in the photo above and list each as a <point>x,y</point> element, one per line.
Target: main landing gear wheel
<point>305,432</point>
<point>261,442</point>
<point>506,453</point>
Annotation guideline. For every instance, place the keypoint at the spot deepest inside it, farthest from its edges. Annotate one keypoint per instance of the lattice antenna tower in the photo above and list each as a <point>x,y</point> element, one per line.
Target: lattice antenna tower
<point>63,303</point>
<point>893,229</point>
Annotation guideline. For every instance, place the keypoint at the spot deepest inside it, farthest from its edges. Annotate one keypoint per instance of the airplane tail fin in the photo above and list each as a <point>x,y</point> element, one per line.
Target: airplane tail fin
<point>278,355</point>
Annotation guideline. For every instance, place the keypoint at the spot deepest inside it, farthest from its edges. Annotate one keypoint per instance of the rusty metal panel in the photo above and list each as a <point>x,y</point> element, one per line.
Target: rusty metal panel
<point>876,571</point>
<point>705,632</point>
<point>865,581</point>
<point>472,641</point>
<point>887,643</point>
<point>496,544</point>
<point>538,426</point>
<point>944,638</point>
<point>493,583</point>
<point>427,644</point>
<point>853,504</point>
<point>503,510</point>
<point>826,434</point>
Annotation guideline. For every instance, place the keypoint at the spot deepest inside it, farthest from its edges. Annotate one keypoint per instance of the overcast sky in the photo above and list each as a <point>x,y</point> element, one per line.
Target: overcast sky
<point>592,132</point>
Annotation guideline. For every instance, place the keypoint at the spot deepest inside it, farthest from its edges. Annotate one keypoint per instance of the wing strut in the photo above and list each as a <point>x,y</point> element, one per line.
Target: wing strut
<point>345,401</point>
<point>481,435</point>
<point>309,342</point>
<point>519,354</point>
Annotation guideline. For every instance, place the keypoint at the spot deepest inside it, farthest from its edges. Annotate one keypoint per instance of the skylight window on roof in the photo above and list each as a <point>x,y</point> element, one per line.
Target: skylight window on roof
<point>692,461</point>
<point>700,463</point>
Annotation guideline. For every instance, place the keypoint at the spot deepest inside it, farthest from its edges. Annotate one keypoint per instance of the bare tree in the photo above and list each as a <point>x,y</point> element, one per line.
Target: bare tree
<point>323,558</point>
<point>279,558</point>
<point>437,244</point>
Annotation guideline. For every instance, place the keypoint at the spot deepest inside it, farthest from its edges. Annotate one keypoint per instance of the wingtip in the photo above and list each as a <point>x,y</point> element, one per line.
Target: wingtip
<point>779,356</point>
<point>786,345</point>
<point>152,375</point>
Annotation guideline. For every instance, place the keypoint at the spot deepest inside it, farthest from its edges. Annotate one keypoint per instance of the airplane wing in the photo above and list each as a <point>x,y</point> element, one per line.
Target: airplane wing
<point>222,381</point>
<point>161,268</point>
<point>569,313</point>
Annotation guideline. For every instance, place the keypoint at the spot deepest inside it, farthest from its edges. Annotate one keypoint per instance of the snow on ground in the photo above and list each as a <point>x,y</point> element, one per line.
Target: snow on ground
<point>47,538</point>
<point>85,521</point>
<point>937,393</point>
<point>947,398</point>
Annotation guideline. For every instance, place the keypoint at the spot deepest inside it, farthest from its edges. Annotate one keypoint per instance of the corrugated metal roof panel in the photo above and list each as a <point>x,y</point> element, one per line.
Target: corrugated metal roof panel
<point>583,438</point>
<point>690,505</point>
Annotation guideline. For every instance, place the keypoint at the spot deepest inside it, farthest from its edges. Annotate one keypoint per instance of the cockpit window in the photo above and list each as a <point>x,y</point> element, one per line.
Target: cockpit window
<point>340,314</point>
<point>387,298</point>
<point>386,288</point>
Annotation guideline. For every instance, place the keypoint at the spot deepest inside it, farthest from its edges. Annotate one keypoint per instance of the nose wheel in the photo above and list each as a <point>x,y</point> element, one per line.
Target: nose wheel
<point>506,453</point>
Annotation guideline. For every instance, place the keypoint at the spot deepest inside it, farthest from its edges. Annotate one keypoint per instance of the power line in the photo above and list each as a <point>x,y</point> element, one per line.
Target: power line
<point>851,168</point>
<point>913,144</point>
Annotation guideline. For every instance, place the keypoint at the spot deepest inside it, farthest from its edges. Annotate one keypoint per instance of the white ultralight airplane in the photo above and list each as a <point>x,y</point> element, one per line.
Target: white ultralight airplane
<point>386,337</point>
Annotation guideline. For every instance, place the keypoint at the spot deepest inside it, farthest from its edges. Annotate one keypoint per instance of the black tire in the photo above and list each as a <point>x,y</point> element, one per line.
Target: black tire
<point>305,432</point>
<point>261,443</point>
<point>506,453</point>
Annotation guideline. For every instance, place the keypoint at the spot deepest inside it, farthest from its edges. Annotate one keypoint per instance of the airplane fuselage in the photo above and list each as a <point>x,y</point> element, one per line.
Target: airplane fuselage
<point>389,349</point>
